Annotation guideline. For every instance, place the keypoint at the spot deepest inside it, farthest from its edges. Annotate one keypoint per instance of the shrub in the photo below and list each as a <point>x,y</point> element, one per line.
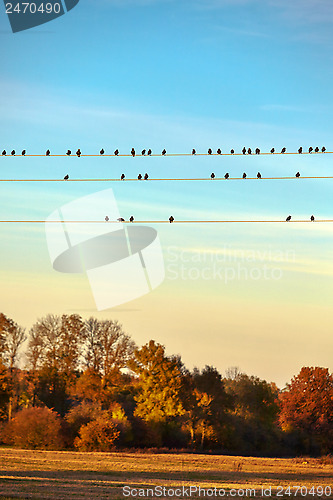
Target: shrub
<point>98,435</point>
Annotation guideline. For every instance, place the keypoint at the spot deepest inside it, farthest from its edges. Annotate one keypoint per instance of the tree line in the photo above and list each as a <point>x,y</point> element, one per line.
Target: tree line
<point>86,385</point>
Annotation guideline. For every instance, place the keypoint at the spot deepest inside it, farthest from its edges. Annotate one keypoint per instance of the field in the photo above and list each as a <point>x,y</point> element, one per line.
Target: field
<point>69,475</point>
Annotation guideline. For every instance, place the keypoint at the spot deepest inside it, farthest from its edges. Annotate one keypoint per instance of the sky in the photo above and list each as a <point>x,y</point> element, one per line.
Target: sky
<point>180,75</point>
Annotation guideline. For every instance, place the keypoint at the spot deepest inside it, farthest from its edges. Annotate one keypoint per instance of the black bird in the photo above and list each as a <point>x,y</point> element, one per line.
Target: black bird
<point>249,151</point>
<point>13,152</point>
<point>283,150</point>
<point>107,218</point>
<point>194,152</point>
<point>258,175</point>
<point>312,218</point>
<point>146,177</point>
<point>272,151</point>
<point>164,152</point>
<point>139,177</point>
<point>23,152</point>
<point>133,152</point>
<point>310,150</point>
<point>323,149</point>
<point>4,152</point>
<point>171,219</point>
<point>288,218</point>
<point>244,151</point>
<point>102,152</point>
<point>143,152</point>
<point>257,151</point>
<point>122,177</point>
<point>78,153</point>
<point>226,176</point>
<point>317,150</point>
<point>66,177</point>
<point>244,175</point>
<point>210,151</point>
<point>149,152</point>
<point>219,152</point>
<point>48,152</point>
<point>69,152</point>
<point>121,219</point>
<point>298,175</point>
<point>131,219</point>
<point>116,153</point>
<point>300,151</point>
<point>212,175</point>
<point>232,151</point>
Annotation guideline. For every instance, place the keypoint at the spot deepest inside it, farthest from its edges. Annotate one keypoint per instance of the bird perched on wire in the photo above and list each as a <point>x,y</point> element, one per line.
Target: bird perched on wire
<point>283,150</point>
<point>122,177</point>
<point>69,152</point>
<point>23,152</point>
<point>116,153</point>
<point>78,153</point>
<point>4,152</point>
<point>257,151</point>
<point>244,175</point>
<point>317,150</point>
<point>258,175</point>
<point>131,219</point>
<point>300,150</point>
<point>244,151</point>
<point>219,151</point>
<point>107,218</point>
<point>13,152</point>
<point>171,219</point>
<point>288,218</point>
<point>139,177</point>
<point>102,152</point>
<point>48,152</point>
<point>66,177</point>
<point>298,175</point>
<point>164,152</point>
<point>323,149</point>
<point>312,218</point>
<point>272,151</point>
<point>210,151</point>
<point>149,152</point>
<point>212,175</point>
<point>143,152</point>
<point>310,150</point>
<point>194,152</point>
<point>226,176</point>
<point>232,151</point>
<point>133,152</point>
<point>249,151</point>
<point>120,219</point>
<point>146,177</point>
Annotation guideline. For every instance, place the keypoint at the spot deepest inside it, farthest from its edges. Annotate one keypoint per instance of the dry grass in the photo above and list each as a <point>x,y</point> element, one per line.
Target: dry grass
<point>68,475</point>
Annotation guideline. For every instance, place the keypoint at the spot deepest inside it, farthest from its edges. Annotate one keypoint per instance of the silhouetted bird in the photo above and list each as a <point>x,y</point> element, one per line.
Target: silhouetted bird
<point>219,152</point>
<point>232,151</point>
<point>194,152</point>
<point>23,152</point>
<point>257,151</point>
<point>66,177</point>
<point>143,152</point>
<point>131,219</point>
<point>249,151</point>
<point>107,218</point>
<point>323,149</point>
<point>212,175</point>
<point>133,152</point>
<point>139,177</point>
<point>116,153</point>
<point>13,152</point>
<point>317,150</point>
<point>78,153</point>
<point>102,152</point>
<point>283,150</point>
<point>300,150</point>
<point>310,150</point>
<point>171,219</point>
<point>164,152</point>
<point>312,218</point>
<point>226,176</point>
<point>69,152</point>
<point>210,151</point>
<point>121,219</point>
<point>272,151</point>
<point>258,175</point>
<point>48,152</point>
<point>146,177</point>
<point>298,175</point>
<point>122,177</point>
<point>4,152</point>
<point>288,218</point>
<point>149,152</point>
<point>244,151</point>
<point>244,175</point>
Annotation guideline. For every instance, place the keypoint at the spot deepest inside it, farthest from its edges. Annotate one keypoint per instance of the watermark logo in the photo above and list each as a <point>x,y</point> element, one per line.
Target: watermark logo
<point>25,15</point>
<point>122,261</point>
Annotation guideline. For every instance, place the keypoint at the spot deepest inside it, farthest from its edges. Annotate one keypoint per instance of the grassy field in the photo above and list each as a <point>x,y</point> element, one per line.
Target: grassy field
<point>69,475</point>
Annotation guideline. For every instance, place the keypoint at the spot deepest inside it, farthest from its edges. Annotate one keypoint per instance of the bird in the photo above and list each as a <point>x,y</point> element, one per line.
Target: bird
<point>171,219</point>
<point>212,175</point>
<point>48,152</point>
<point>120,219</point>
<point>23,152</point>
<point>131,219</point>
<point>133,152</point>
<point>107,218</point>
<point>164,152</point>
<point>298,175</point>
<point>244,175</point>
<point>300,150</point>
<point>78,153</point>
<point>194,152</point>
<point>69,152</point>
<point>210,151</point>
<point>244,151</point>
<point>146,177</point>
<point>149,152</point>
<point>283,150</point>
<point>272,151</point>
<point>249,151</point>
<point>323,149</point>
<point>258,175</point>
<point>310,150</point>
<point>139,177</point>
<point>232,151</point>
<point>4,152</point>
<point>257,151</point>
<point>226,176</point>
<point>219,152</point>
<point>101,152</point>
<point>66,177</point>
<point>317,150</point>
<point>312,218</point>
<point>116,153</point>
<point>143,152</point>
<point>122,177</point>
<point>288,218</point>
<point>13,152</point>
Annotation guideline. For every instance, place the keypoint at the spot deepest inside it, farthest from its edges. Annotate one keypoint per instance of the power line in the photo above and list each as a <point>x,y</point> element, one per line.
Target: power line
<point>161,221</point>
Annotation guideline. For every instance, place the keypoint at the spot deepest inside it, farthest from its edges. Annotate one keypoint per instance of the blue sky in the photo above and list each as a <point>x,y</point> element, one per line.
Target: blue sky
<point>180,74</point>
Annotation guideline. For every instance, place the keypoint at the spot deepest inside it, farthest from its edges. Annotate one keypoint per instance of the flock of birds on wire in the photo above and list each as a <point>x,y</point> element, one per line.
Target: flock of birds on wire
<point>171,219</point>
